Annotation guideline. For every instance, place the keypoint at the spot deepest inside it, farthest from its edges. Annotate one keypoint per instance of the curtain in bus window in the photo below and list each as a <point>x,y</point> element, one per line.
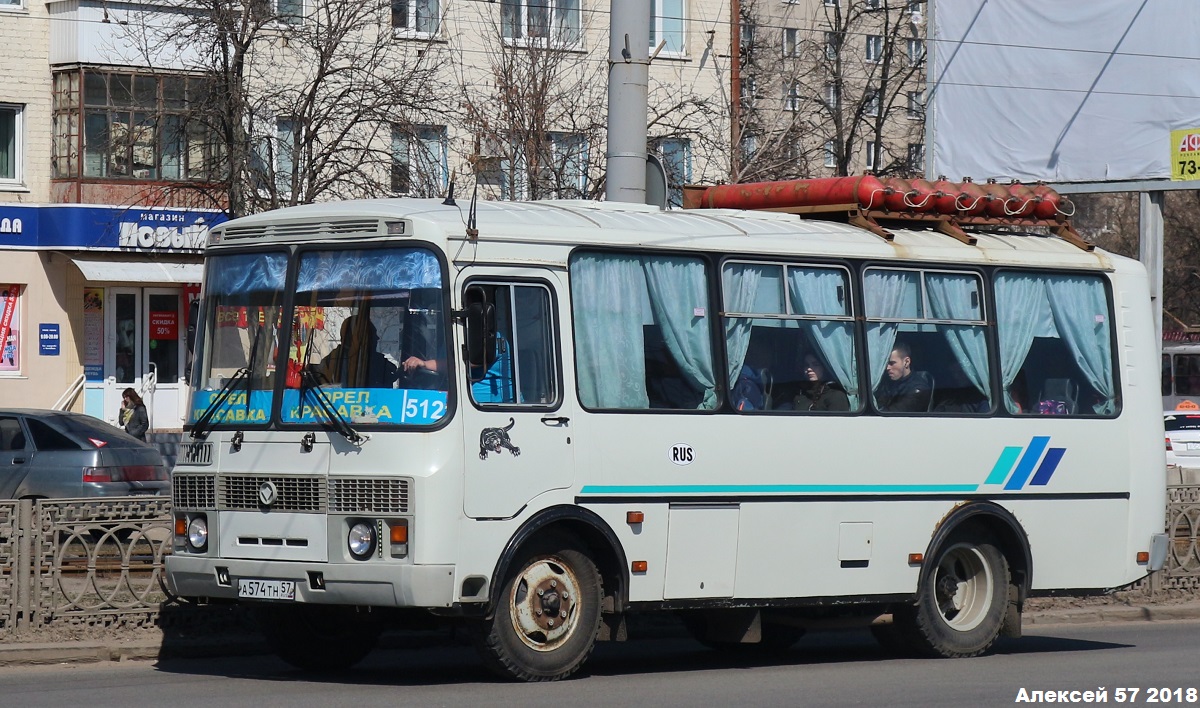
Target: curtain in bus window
<point>889,295</point>
<point>1080,311</point>
<point>739,285</point>
<point>1018,299</point>
<point>372,271</point>
<point>679,299</point>
<point>607,294</point>
<point>260,272</point>
<point>820,291</point>
<point>957,297</point>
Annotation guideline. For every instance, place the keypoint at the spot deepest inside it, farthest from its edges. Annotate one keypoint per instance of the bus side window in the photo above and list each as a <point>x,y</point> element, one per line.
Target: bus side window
<point>523,369</point>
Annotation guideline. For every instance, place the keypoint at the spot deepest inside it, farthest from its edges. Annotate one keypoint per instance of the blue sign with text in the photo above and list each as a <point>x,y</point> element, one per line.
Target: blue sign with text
<point>48,339</point>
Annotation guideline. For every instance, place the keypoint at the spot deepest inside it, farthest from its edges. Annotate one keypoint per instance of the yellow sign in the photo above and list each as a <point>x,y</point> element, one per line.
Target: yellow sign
<point>1185,154</point>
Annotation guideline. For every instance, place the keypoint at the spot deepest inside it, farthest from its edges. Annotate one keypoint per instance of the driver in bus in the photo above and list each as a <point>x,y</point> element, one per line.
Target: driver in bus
<point>357,362</point>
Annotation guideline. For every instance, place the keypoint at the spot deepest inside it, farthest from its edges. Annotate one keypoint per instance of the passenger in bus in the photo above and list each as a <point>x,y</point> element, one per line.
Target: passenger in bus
<point>357,361</point>
<point>819,391</point>
<point>495,384</point>
<point>902,389</point>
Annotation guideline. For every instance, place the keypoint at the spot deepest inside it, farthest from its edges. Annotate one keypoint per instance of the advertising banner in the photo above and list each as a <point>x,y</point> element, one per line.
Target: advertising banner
<point>93,334</point>
<point>10,328</point>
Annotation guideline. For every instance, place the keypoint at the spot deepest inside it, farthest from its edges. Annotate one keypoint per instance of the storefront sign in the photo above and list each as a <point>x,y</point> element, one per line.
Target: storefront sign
<point>93,334</point>
<point>106,227</point>
<point>48,339</point>
<point>10,328</point>
<point>164,325</point>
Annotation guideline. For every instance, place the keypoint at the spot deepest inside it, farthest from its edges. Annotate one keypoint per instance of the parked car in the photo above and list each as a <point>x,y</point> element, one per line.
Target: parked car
<point>1183,438</point>
<point>54,454</point>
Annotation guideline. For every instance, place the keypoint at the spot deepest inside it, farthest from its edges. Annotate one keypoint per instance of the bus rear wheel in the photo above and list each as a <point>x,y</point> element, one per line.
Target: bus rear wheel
<point>545,624</point>
<point>318,637</point>
<point>961,602</point>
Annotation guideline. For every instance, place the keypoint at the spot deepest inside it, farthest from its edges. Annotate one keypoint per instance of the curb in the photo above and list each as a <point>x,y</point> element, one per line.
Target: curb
<point>82,652</point>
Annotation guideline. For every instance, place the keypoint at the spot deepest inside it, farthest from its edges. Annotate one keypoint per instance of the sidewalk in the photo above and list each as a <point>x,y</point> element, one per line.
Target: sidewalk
<point>158,647</point>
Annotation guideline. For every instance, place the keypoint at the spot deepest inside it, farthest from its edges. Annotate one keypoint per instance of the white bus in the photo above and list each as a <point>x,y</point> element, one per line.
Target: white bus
<point>568,412</point>
<point>1181,376</point>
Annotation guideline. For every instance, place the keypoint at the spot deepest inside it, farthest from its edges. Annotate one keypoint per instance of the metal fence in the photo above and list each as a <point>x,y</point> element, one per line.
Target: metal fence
<point>99,562</point>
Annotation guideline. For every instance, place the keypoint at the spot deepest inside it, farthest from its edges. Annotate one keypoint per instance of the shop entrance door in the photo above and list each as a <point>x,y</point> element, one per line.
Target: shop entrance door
<point>143,351</point>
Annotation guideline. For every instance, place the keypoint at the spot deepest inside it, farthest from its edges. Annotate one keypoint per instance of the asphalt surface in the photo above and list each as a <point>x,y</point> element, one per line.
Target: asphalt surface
<point>156,647</point>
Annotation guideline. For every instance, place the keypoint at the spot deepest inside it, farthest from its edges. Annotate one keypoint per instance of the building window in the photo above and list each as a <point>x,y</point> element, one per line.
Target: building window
<point>830,3</point>
<point>676,156</point>
<point>791,99</point>
<point>10,144</point>
<point>871,102</point>
<point>11,4</point>
<point>872,4</point>
<point>833,97</point>
<point>747,29</point>
<point>870,154</point>
<point>832,44</point>
<point>749,145</point>
<point>874,47</point>
<point>10,329</point>
<point>419,160</point>
<point>916,50</point>
<point>138,127</point>
<point>791,42</point>
<point>420,16</point>
<point>748,91</point>
<point>288,12</point>
<point>916,105</point>
<point>541,20</point>
<point>830,154</point>
<point>569,152</point>
<point>666,25</point>
<point>287,164</point>
<point>916,157</point>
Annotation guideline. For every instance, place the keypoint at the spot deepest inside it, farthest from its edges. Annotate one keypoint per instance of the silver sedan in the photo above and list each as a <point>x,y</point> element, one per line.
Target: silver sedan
<point>54,454</point>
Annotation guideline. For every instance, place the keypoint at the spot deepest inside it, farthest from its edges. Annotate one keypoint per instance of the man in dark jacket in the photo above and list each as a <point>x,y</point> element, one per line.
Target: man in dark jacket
<point>903,390</point>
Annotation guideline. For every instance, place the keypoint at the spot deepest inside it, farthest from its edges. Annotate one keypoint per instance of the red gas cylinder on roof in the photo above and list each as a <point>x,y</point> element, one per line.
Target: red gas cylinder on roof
<point>972,200</point>
<point>997,194</point>
<point>945,196</point>
<point>866,192</point>
<point>1021,200</point>
<point>1049,202</point>
<point>920,197</point>
<point>894,189</point>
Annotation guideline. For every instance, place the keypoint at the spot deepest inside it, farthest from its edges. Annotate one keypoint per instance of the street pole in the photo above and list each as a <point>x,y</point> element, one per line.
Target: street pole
<point>628,78</point>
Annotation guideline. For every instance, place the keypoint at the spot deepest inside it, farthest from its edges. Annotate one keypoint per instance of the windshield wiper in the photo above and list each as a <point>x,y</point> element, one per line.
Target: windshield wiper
<point>309,382</point>
<point>202,426</point>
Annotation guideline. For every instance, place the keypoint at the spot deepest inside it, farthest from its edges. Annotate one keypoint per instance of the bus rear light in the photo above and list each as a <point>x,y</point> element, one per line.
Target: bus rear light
<point>1143,557</point>
<point>916,558</point>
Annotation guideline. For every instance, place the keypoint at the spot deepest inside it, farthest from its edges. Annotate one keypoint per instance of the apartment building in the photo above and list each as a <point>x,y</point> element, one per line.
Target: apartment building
<point>127,130</point>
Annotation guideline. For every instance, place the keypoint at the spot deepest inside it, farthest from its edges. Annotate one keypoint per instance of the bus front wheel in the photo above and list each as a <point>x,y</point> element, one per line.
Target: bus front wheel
<point>548,616</point>
<point>961,602</point>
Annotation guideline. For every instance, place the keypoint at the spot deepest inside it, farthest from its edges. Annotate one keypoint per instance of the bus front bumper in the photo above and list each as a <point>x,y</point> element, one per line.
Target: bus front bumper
<point>323,583</point>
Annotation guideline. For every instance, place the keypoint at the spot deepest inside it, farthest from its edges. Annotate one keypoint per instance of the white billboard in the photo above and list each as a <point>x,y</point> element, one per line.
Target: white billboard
<point>1063,90</point>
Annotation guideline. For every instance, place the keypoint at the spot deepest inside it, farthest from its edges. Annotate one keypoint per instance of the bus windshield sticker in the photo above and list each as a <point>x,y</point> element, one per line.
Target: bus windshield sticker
<point>237,408</point>
<point>494,439</point>
<point>370,405</point>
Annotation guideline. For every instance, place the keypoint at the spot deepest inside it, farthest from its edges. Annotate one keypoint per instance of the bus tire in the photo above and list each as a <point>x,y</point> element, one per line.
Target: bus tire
<point>546,621</point>
<point>962,601</point>
<point>317,637</point>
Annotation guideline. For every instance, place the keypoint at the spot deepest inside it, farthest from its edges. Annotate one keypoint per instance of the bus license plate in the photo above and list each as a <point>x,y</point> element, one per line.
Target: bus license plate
<point>266,589</point>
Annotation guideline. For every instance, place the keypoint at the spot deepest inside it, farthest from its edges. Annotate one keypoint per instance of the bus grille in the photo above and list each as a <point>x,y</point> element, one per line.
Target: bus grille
<point>194,491</point>
<point>382,496</point>
<point>325,228</point>
<point>305,494</point>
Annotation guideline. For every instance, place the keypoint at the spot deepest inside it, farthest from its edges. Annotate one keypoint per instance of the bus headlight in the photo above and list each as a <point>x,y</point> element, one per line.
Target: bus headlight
<point>197,533</point>
<point>361,540</point>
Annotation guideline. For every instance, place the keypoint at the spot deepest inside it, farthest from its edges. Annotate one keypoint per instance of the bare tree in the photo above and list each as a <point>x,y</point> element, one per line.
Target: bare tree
<point>293,108</point>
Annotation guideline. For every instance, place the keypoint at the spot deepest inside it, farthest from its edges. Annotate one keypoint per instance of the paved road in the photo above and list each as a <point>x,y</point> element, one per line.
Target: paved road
<point>834,669</point>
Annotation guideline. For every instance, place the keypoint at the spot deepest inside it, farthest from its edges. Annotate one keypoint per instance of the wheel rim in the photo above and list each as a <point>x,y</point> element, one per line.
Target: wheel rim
<point>543,604</point>
<point>963,587</point>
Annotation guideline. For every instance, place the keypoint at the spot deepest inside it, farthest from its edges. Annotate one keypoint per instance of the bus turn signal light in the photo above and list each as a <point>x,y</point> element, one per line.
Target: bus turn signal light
<point>400,533</point>
<point>916,558</point>
<point>180,526</point>
<point>634,517</point>
<point>1143,557</point>
<point>638,566</point>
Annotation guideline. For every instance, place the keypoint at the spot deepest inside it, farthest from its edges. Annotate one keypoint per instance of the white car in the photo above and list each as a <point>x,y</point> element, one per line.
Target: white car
<point>1183,438</point>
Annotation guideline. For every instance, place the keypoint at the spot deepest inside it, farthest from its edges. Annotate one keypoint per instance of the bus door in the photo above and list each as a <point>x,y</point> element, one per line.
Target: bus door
<point>517,419</point>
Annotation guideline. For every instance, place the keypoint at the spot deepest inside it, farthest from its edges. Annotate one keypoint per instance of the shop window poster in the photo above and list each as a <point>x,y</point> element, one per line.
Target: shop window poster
<point>10,328</point>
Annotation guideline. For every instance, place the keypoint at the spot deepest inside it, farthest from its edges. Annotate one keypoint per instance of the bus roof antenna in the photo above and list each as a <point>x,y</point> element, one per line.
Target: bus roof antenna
<point>449,200</point>
<point>472,231</point>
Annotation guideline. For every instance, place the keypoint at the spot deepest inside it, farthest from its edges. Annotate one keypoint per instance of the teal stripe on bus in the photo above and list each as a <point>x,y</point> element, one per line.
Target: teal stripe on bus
<point>1004,465</point>
<point>773,488</point>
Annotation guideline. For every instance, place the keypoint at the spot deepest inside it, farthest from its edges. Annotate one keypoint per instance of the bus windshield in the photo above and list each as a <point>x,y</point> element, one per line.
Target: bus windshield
<point>243,309</point>
<point>368,329</point>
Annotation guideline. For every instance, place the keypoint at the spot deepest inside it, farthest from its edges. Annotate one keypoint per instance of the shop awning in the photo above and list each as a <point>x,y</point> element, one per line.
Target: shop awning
<point>141,271</point>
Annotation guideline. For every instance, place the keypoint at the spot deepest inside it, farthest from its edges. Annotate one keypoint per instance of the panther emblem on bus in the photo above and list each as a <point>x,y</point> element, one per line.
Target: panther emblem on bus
<point>495,439</point>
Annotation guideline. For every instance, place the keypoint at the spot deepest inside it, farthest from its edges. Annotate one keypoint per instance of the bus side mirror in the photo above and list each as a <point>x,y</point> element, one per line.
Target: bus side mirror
<point>480,322</point>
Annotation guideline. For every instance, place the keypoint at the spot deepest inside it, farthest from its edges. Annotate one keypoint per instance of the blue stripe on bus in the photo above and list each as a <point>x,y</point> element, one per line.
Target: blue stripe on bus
<point>1028,461</point>
<point>771,488</point>
<point>1049,464</point>
<point>1004,465</point>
